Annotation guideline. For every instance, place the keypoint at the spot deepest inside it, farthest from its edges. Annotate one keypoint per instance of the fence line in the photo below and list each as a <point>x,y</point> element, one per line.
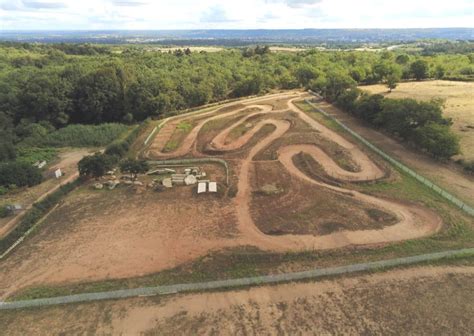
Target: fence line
<point>191,161</point>
<point>235,283</point>
<point>453,199</point>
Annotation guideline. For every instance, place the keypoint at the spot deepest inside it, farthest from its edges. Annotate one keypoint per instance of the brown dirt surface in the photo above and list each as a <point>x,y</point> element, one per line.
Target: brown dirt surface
<point>459,104</point>
<point>119,234</point>
<point>417,301</point>
<point>130,232</point>
<point>303,209</point>
<point>447,175</point>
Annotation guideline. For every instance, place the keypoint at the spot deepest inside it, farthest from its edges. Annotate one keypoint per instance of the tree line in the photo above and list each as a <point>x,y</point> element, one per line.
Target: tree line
<point>44,88</point>
<point>417,122</point>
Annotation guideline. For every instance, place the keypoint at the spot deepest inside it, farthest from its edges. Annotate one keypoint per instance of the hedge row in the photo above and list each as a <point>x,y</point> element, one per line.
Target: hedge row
<point>33,215</point>
<point>120,148</point>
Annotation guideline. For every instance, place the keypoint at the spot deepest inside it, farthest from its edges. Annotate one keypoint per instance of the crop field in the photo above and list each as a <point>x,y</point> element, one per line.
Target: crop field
<point>459,104</point>
<point>289,173</point>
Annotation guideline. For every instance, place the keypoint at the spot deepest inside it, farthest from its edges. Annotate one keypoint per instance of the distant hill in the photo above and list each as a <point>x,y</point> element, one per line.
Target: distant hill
<point>241,37</point>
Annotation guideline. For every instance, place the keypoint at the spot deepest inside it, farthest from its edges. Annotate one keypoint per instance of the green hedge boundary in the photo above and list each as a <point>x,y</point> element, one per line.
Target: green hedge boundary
<point>33,216</point>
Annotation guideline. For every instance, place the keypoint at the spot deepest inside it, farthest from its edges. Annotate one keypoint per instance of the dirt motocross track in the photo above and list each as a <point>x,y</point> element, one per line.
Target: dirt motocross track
<point>413,221</point>
<point>94,236</point>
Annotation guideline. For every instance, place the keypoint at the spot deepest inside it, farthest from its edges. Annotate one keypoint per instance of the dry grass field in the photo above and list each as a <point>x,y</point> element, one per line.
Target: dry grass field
<point>459,104</point>
<point>417,301</point>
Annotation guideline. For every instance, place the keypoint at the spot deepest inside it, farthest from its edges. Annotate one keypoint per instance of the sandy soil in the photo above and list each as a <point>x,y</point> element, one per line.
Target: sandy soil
<point>421,301</point>
<point>459,104</point>
<point>68,164</point>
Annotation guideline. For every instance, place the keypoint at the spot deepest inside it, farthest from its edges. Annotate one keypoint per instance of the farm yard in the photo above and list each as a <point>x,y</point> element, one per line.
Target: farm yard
<point>288,170</point>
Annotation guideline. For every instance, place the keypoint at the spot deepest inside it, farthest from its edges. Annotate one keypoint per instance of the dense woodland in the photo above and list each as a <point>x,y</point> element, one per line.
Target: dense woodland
<point>44,89</point>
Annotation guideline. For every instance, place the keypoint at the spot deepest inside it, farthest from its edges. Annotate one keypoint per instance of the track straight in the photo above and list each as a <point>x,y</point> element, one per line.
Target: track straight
<point>235,283</point>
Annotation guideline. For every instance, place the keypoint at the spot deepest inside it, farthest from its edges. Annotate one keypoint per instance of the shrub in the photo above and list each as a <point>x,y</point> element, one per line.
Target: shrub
<point>34,214</point>
<point>80,136</point>
<point>4,212</point>
<point>95,165</point>
<point>438,140</point>
<point>119,149</point>
<point>31,155</point>
<point>468,166</point>
<point>20,174</point>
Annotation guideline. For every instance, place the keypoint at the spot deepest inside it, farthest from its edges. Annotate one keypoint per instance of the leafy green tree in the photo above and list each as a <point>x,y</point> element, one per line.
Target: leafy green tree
<point>305,74</point>
<point>402,59</point>
<point>19,174</point>
<point>439,72</point>
<point>419,69</point>
<point>134,167</point>
<point>369,107</point>
<point>332,84</point>
<point>438,140</point>
<point>95,165</point>
<point>392,81</point>
<point>347,100</point>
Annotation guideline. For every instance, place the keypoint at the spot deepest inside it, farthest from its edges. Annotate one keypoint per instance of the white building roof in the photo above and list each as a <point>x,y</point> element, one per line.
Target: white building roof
<point>212,186</point>
<point>201,187</point>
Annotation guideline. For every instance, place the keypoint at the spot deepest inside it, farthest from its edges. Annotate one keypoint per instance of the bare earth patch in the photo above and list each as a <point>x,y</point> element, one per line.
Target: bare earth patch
<point>420,301</point>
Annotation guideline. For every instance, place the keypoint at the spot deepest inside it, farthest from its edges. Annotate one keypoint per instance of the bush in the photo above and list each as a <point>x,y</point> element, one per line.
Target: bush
<point>31,155</point>
<point>438,140</point>
<point>80,136</point>
<point>119,149</point>
<point>5,212</point>
<point>20,174</point>
<point>33,215</point>
<point>95,165</point>
<point>468,166</point>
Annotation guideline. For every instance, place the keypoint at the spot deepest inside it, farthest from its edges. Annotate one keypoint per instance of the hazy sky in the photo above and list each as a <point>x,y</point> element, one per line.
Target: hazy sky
<point>240,14</point>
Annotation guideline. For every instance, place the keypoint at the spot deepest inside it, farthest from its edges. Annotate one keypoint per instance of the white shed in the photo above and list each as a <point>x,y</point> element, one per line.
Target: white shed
<point>212,186</point>
<point>201,187</point>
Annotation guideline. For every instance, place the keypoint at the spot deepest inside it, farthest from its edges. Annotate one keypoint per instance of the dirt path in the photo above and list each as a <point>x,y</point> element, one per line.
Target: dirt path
<point>68,160</point>
<point>447,175</point>
<point>140,319</point>
<point>413,221</point>
<point>375,304</point>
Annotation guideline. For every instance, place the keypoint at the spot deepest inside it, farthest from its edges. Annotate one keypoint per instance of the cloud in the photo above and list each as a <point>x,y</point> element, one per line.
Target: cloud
<point>129,3</point>
<point>43,4</point>
<point>30,5</point>
<point>296,3</point>
<point>215,14</point>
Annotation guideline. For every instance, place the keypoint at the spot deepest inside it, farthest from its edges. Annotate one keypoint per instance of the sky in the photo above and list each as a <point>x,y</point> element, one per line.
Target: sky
<point>234,14</point>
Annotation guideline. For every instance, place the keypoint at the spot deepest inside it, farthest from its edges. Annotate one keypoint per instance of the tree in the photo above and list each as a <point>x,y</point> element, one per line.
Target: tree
<point>134,167</point>
<point>334,83</point>
<point>419,69</point>
<point>392,82</point>
<point>347,100</point>
<point>306,74</point>
<point>95,165</point>
<point>439,72</point>
<point>19,174</point>
<point>369,107</point>
<point>402,59</point>
<point>438,140</point>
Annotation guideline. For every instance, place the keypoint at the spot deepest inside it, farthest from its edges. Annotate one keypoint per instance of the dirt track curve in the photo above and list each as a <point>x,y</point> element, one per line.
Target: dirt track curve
<point>413,221</point>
